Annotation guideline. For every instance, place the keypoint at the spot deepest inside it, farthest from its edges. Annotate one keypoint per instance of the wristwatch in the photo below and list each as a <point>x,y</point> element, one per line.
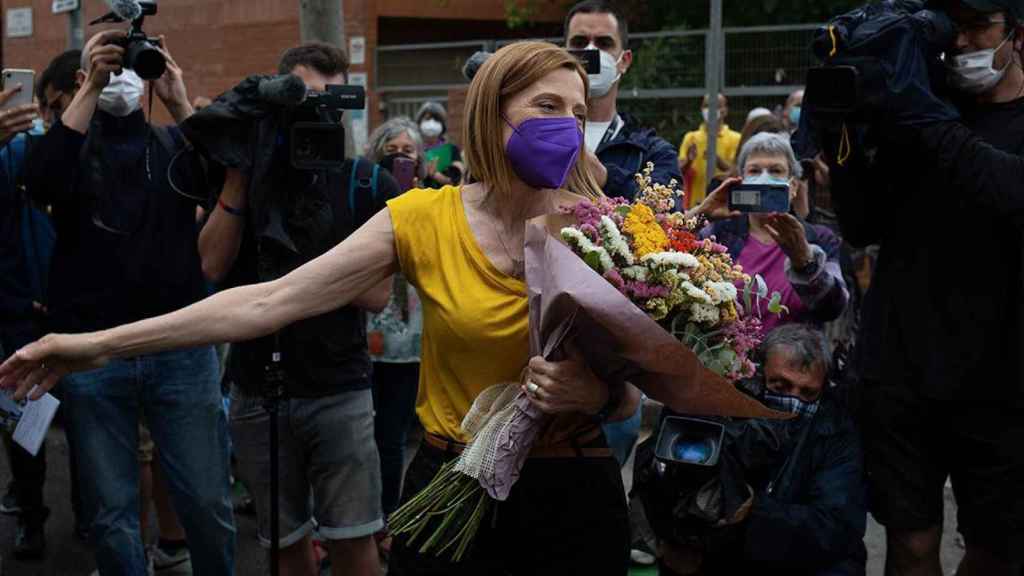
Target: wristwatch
<point>809,269</point>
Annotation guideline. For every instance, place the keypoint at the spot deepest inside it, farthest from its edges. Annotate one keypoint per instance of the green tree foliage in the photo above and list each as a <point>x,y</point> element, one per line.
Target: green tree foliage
<point>648,15</point>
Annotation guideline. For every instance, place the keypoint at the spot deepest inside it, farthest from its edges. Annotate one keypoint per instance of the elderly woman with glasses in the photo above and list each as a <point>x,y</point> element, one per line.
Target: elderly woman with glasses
<point>798,260</point>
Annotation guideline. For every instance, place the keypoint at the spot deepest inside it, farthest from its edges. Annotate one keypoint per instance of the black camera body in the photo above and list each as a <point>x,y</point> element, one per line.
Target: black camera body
<point>853,77</point>
<point>140,51</point>
<point>317,135</point>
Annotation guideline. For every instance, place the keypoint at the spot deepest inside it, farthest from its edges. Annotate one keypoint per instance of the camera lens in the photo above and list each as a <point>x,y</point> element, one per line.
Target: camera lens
<point>145,59</point>
<point>693,450</point>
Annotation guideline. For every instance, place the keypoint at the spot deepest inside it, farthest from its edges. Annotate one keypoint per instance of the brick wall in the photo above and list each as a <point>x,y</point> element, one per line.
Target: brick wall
<point>219,42</point>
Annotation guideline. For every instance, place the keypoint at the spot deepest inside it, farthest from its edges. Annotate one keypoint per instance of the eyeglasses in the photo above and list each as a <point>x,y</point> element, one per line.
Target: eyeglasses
<point>976,25</point>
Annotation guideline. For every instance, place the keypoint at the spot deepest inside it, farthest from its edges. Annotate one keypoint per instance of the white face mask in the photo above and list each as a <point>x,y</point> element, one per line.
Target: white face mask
<point>431,128</point>
<point>601,84</point>
<point>704,114</point>
<point>123,94</point>
<point>973,72</point>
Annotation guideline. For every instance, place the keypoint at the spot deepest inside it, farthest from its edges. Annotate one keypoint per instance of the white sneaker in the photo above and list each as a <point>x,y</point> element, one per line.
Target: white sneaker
<point>178,564</point>
<point>642,557</point>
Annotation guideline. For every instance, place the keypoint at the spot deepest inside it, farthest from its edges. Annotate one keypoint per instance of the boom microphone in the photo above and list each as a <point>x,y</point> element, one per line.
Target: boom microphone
<point>285,90</point>
<point>126,9</point>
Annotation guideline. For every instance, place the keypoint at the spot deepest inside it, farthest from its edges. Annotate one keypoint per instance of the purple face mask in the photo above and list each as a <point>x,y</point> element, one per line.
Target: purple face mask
<point>543,150</point>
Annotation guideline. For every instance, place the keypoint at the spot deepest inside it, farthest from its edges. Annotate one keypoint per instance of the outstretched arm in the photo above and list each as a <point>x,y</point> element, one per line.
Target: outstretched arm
<point>331,281</point>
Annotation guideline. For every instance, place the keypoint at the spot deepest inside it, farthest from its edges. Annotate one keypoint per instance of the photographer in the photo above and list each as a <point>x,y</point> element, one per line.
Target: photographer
<point>932,330</point>
<point>122,195</point>
<point>807,514</point>
<point>617,147</point>
<point>329,468</point>
<point>798,260</point>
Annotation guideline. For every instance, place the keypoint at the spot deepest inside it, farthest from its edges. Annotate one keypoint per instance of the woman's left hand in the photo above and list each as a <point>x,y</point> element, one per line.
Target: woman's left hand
<point>788,233</point>
<point>566,386</point>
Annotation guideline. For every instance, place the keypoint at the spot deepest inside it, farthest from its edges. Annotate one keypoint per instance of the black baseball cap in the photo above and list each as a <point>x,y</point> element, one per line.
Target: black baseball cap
<point>1014,7</point>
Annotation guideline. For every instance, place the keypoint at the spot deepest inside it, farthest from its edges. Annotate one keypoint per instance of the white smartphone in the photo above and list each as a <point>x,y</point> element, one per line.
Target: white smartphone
<point>27,79</point>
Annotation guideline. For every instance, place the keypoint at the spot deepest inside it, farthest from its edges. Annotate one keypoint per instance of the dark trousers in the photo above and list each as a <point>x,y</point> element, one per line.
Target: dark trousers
<point>29,476</point>
<point>394,406</point>
<point>29,472</point>
<point>564,516</point>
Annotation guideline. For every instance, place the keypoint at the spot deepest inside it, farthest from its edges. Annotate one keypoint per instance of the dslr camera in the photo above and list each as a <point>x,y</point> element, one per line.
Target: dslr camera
<point>140,51</point>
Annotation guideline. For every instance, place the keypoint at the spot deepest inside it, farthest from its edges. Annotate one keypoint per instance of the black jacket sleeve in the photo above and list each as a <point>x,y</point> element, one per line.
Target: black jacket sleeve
<point>666,168</point>
<point>825,527</point>
<point>974,169</point>
<point>53,165</point>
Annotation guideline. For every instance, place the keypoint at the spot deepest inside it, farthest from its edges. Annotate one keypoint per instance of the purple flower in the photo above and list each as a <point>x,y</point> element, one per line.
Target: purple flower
<point>591,232</point>
<point>616,280</point>
<point>644,291</point>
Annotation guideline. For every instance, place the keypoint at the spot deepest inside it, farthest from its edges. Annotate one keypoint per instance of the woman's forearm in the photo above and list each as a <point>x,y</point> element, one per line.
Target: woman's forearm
<point>627,407</point>
<point>324,284</point>
<point>241,313</point>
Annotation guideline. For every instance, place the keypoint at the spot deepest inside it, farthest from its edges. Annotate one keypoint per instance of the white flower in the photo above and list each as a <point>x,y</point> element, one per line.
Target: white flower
<point>720,292</point>
<point>695,293</point>
<point>613,240</point>
<point>704,313</point>
<point>637,273</point>
<point>673,259</point>
<point>585,247</point>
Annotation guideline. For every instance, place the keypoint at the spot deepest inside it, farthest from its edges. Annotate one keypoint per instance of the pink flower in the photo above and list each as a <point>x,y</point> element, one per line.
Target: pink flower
<point>645,291</point>
<point>616,280</point>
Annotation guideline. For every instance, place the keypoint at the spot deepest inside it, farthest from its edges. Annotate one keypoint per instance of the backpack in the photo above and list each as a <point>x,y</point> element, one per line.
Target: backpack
<point>36,231</point>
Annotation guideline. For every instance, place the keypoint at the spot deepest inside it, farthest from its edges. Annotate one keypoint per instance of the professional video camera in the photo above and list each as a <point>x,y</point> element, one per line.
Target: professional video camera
<point>695,472</point>
<point>316,135</point>
<point>882,66</point>
<point>140,51</point>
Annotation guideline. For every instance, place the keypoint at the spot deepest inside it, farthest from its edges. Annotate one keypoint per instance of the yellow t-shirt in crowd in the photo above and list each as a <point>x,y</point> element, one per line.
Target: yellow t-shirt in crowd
<point>475,318</point>
<point>727,143</point>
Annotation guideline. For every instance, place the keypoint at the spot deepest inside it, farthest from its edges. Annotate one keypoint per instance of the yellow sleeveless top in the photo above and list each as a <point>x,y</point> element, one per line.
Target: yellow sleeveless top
<point>475,321</point>
<point>475,318</point>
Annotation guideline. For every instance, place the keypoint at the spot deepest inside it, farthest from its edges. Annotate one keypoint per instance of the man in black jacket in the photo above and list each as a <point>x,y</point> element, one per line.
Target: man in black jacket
<point>269,219</point>
<point>617,147</point>
<point>124,196</point>
<point>807,513</point>
<point>940,352</point>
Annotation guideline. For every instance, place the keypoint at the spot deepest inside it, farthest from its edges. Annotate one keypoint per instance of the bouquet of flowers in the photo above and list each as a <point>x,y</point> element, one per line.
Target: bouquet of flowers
<point>651,305</point>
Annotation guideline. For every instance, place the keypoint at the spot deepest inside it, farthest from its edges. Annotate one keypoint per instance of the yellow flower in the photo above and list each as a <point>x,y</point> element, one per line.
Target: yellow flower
<point>648,236</point>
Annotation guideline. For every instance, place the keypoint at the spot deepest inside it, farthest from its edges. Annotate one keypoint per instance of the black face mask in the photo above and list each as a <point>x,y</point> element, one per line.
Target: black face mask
<point>388,162</point>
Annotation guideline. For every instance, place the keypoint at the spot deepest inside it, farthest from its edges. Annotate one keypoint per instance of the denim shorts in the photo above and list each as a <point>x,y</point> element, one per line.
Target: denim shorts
<point>328,469</point>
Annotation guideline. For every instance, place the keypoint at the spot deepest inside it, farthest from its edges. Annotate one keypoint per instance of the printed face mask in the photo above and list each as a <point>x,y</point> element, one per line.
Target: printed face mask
<point>790,404</point>
<point>543,151</point>
<point>123,94</point>
<point>431,128</point>
<point>973,72</point>
<point>601,84</point>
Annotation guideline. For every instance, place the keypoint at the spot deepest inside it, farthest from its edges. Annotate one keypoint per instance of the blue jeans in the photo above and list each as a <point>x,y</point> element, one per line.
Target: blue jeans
<point>179,395</point>
<point>622,435</point>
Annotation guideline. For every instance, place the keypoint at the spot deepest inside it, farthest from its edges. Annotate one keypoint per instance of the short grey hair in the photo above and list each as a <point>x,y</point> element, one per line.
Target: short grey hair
<point>769,144</point>
<point>390,130</point>
<point>435,109</point>
<point>805,346</point>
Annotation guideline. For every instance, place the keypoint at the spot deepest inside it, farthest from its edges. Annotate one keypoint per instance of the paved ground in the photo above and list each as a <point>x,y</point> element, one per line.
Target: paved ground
<point>69,557</point>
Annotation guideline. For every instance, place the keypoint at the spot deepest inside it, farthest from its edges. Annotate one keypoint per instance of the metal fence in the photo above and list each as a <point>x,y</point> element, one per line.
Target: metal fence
<point>664,86</point>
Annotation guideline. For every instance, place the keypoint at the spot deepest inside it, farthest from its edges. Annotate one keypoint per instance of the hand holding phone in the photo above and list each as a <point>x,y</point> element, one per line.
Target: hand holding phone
<point>19,84</point>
